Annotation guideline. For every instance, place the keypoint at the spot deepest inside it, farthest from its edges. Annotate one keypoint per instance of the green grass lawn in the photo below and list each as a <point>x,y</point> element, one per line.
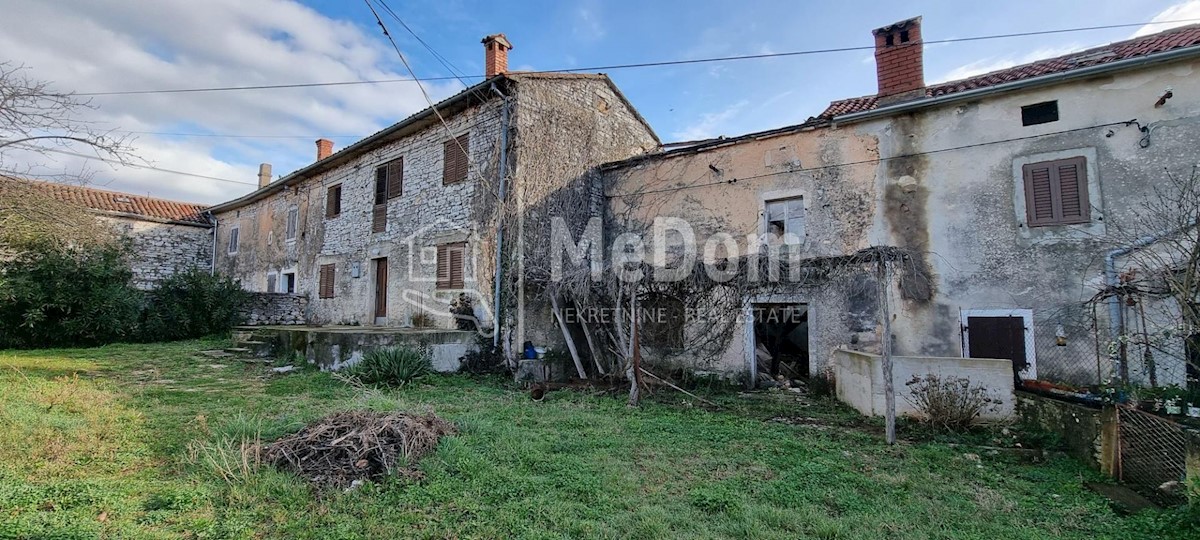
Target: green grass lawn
<point>119,442</point>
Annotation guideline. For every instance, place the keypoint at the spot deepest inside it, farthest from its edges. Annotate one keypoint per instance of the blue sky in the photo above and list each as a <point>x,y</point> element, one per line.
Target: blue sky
<point>107,45</point>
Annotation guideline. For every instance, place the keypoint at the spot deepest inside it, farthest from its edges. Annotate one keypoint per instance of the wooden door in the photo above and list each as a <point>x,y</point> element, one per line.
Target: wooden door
<point>998,337</point>
<point>380,289</point>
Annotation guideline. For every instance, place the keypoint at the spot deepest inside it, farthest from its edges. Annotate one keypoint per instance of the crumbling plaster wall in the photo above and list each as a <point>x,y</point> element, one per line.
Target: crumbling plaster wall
<point>161,250</point>
<point>966,209</point>
<point>723,189</point>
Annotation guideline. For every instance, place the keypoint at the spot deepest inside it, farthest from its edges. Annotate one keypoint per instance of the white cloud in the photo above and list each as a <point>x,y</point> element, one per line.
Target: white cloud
<point>587,24</point>
<point>990,64</point>
<point>1184,13</point>
<point>112,45</point>
<point>710,124</point>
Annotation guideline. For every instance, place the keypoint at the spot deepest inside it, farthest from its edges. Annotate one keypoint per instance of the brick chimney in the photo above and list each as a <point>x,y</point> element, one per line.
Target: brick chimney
<point>900,61</point>
<point>264,174</point>
<point>324,148</point>
<point>496,48</point>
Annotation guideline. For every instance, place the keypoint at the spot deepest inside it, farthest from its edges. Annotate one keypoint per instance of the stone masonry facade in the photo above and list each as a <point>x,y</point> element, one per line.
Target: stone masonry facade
<point>161,250</point>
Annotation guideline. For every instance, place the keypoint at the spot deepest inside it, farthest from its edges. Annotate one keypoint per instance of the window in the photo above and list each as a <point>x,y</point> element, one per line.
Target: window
<point>233,240</point>
<point>333,201</point>
<point>1039,113</point>
<point>389,184</point>
<point>1056,192</point>
<point>325,281</point>
<point>293,216</point>
<point>786,217</point>
<point>450,265</point>
<point>289,283</point>
<point>271,282</point>
<point>389,180</point>
<point>454,164</point>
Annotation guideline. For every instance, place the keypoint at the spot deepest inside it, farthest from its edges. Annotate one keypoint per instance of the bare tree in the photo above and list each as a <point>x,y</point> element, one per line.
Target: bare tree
<point>36,118</point>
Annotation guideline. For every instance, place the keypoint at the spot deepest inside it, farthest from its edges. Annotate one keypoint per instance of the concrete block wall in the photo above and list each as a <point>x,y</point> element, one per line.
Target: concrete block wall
<point>860,382</point>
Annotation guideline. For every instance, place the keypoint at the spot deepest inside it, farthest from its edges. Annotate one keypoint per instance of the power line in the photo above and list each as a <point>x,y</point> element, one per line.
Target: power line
<point>140,166</point>
<point>873,161</point>
<point>631,65</point>
<point>237,136</point>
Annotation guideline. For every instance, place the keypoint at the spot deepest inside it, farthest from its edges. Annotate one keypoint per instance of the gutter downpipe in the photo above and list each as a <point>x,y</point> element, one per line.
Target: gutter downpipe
<point>1081,73</point>
<point>504,121</point>
<point>1111,279</point>
<point>213,270</point>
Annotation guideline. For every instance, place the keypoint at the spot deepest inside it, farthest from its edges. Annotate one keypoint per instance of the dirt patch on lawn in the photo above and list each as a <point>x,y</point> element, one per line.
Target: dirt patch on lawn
<point>337,450</point>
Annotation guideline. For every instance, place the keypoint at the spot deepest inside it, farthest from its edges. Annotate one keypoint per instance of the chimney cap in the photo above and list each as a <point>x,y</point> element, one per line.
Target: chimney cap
<point>906,23</point>
<point>498,38</point>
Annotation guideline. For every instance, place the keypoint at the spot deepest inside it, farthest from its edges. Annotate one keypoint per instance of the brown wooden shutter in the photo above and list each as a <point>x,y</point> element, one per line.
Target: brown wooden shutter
<point>395,178</point>
<point>333,201</point>
<point>379,218</point>
<point>326,281</point>
<point>1056,192</point>
<point>456,163</point>
<point>457,251</point>
<point>381,184</point>
<point>451,260</point>
<point>1072,187</point>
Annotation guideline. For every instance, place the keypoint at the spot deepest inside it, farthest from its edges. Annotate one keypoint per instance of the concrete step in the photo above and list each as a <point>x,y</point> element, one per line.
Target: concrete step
<point>257,348</point>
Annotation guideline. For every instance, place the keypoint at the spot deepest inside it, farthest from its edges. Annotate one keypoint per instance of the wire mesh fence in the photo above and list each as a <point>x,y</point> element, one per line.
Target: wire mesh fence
<point>1151,455</point>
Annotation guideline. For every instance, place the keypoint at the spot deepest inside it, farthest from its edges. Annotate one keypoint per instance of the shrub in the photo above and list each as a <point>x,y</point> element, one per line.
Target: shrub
<point>951,404</point>
<point>463,310</point>
<point>484,358</point>
<point>392,366</point>
<point>60,296</point>
<point>192,304</point>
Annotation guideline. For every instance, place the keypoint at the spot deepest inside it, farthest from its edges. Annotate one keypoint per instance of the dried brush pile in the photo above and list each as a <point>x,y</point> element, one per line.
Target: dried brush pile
<point>343,447</point>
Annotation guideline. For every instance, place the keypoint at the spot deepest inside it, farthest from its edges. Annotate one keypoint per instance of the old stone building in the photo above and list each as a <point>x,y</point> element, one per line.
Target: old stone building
<point>393,229</point>
<point>166,237</point>
<point>1009,189</point>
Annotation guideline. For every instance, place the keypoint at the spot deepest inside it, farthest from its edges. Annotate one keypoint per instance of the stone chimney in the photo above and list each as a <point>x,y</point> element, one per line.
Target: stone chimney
<point>900,61</point>
<point>264,174</point>
<point>496,48</point>
<point>324,148</point>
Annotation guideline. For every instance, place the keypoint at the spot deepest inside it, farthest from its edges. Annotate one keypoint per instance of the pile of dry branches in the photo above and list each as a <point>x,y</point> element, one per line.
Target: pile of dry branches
<point>343,447</point>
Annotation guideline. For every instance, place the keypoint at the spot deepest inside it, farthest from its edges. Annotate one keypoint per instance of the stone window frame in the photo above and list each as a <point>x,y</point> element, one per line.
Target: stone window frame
<point>775,196</point>
<point>1094,228</point>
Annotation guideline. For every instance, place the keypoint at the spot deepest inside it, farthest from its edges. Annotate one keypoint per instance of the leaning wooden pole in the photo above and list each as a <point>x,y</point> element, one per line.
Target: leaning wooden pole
<point>562,324</point>
<point>885,312</point>
<point>635,359</point>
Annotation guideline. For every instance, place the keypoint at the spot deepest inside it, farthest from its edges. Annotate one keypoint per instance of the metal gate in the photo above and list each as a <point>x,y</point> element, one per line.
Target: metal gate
<point>1152,453</point>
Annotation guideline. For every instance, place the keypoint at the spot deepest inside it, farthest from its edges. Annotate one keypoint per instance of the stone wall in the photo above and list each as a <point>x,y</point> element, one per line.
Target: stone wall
<point>160,250</point>
<point>1080,427</point>
<point>274,309</point>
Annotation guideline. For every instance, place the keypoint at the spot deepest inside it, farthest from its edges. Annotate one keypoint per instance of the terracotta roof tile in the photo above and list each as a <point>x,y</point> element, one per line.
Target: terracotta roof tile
<point>1175,38</point>
<point>116,202</point>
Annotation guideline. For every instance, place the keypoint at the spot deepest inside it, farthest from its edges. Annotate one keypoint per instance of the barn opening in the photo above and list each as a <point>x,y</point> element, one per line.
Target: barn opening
<point>781,341</point>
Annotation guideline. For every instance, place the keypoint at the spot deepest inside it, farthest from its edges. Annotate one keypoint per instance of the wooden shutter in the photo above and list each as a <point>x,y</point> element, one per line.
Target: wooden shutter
<point>333,201</point>
<point>1056,192</point>
<point>455,163</point>
<point>381,184</point>
<point>451,261</point>
<point>326,281</point>
<point>379,218</point>
<point>395,178</point>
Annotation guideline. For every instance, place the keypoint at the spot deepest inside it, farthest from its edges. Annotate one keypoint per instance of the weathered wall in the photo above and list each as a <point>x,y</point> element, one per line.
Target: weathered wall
<point>274,309</point>
<point>160,250</point>
<point>860,381</point>
<point>1079,427</point>
<point>428,213</point>
<point>723,190</point>
<point>966,210</point>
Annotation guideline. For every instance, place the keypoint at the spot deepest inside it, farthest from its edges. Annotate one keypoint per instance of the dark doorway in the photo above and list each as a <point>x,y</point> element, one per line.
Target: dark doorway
<point>998,337</point>
<point>381,291</point>
<point>781,340</point>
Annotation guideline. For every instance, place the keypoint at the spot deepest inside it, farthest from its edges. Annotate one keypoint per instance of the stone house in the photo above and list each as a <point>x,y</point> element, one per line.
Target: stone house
<point>166,236</point>
<point>1009,189</point>
<point>393,229</point>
